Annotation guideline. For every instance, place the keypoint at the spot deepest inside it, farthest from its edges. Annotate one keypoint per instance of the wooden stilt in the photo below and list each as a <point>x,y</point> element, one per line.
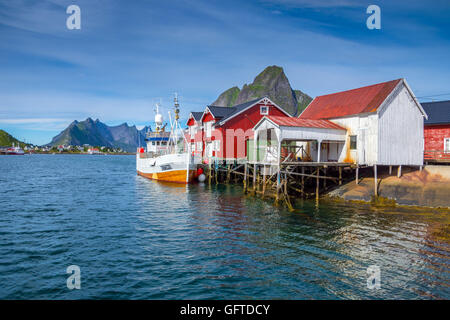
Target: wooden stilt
<point>390,170</point>
<point>303,181</point>
<point>375,180</point>
<point>264,181</point>
<point>340,175</point>
<point>357,174</point>
<point>325,180</point>
<point>254,177</point>
<point>209,174</point>
<point>420,168</point>
<point>245,177</point>
<point>399,171</point>
<point>317,184</point>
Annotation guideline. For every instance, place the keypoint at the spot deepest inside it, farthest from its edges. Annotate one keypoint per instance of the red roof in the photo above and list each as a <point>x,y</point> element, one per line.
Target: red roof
<point>350,102</point>
<point>305,123</point>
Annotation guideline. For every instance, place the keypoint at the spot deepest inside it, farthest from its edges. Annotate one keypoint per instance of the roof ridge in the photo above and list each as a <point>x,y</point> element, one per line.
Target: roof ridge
<point>359,88</point>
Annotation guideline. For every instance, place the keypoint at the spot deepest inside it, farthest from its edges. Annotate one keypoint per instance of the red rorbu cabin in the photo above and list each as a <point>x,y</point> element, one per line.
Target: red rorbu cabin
<point>437,131</point>
<point>222,132</point>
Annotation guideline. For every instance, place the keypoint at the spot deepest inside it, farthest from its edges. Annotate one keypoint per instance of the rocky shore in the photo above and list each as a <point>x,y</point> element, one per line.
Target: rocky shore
<point>428,188</point>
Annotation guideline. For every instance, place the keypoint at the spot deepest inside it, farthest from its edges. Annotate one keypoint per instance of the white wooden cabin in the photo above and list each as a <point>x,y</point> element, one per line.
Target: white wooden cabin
<point>381,124</point>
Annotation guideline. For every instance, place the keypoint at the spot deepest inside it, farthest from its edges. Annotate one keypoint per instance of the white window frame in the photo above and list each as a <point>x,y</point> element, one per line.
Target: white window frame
<point>192,146</point>
<point>446,145</point>
<point>264,113</point>
<point>192,130</point>
<point>209,129</point>
<point>216,145</point>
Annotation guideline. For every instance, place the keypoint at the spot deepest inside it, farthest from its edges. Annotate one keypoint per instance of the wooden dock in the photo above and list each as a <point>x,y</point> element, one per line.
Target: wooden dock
<point>284,181</point>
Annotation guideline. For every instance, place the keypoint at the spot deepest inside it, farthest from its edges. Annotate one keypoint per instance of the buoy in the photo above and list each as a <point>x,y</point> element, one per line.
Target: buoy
<point>201,178</point>
<point>199,171</point>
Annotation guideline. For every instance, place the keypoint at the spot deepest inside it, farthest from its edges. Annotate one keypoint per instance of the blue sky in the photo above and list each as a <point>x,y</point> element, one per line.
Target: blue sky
<point>130,54</point>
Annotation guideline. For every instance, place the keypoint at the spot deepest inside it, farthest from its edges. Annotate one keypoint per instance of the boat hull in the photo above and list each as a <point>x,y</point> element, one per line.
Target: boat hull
<point>175,176</point>
<point>175,168</point>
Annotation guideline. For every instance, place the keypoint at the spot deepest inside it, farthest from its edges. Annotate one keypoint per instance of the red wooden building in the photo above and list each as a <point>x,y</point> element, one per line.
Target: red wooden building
<point>222,132</point>
<point>437,131</point>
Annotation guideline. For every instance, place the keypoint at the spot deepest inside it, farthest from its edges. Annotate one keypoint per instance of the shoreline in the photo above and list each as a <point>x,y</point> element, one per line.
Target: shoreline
<point>429,188</point>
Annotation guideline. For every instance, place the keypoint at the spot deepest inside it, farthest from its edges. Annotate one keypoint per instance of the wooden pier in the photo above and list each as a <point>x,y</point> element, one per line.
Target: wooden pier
<point>307,180</point>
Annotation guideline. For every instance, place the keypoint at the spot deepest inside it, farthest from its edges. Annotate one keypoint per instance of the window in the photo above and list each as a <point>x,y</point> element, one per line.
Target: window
<point>264,110</point>
<point>352,142</point>
<point>216,145</point>
<point>208,129</point>
<point>192,130</point>
<point>447,145</point>
<point>192,147</point>
<point>199,146</point>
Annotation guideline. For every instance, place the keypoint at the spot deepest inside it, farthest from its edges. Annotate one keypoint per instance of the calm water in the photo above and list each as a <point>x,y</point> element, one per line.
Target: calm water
<point>137,239</point>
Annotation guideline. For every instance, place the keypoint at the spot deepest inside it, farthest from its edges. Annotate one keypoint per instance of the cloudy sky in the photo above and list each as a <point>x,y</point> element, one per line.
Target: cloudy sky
<point>130,54</point>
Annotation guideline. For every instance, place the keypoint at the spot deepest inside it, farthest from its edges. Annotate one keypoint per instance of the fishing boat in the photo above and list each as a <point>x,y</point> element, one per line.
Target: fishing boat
<point>164,158</point>
<point>14,150</point>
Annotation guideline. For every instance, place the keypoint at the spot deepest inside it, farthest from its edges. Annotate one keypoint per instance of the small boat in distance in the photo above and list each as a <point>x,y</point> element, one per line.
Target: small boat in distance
<point>164,158</point>
<point>14,150</point>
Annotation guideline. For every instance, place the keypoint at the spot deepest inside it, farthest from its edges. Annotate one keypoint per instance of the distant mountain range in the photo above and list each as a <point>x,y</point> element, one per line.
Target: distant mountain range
<point>272,82</point>
<point>96,133</point>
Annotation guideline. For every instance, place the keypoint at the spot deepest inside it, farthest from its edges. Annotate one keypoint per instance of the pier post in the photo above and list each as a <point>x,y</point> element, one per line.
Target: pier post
<point>375,179</point>
<point>340,175</point>
<point>245,177</point>
<point>254,177</point>
<point>209,173</point>
<point>399,171</point>
<point>264,181</point>
<point>390,170</point>
<point>317,183</point>
<point>325,180</point>
<point>303,181</point>
<point>357,174</point>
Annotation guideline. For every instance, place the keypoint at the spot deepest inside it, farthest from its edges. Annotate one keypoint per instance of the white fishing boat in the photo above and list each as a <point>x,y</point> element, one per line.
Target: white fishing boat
<point>165,157</point>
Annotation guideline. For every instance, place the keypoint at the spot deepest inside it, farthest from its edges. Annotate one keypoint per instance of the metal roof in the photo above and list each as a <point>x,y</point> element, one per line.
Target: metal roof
<point>304,123</point>
<point>223,113</point>
<point>438,112</point>
<point>350,102</point>
<point>197,115</point>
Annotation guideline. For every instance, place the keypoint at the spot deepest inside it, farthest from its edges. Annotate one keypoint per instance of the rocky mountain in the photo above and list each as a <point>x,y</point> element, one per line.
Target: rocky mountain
<point>96,133</point>
<point>7,140</point>
<point>272,82</point>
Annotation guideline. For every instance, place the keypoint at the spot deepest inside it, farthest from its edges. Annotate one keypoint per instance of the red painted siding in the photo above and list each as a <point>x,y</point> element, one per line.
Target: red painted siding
<point>239,129</point>
<point>434,142</point>
<point>232,135</point>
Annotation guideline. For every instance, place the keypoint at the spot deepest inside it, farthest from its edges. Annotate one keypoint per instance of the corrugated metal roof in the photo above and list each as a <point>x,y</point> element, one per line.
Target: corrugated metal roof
<point>438,112</point>
<point>197,115</point>
<point>304,123</point>
<point>223,113</point>
<point>350,102</point>
<point>220,112</point>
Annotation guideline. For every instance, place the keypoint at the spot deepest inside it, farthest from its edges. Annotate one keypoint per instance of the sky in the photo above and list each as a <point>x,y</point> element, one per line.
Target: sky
<point>128,55</point>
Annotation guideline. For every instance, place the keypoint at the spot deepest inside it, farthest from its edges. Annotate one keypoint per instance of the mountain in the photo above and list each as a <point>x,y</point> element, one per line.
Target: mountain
<point>7,140</point>
<point>96,133</point>
<point>272,82</point>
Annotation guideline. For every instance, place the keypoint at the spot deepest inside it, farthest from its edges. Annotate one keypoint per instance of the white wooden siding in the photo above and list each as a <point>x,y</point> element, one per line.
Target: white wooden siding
<point>401,138</point>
